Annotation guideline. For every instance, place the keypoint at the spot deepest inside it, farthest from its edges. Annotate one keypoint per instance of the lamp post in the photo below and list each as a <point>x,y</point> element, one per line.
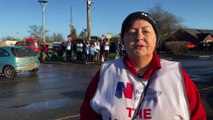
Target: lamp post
<point>89,4</point>
<point>43,6</point>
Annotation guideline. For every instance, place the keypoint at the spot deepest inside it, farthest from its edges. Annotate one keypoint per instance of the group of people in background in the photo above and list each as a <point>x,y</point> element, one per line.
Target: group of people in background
<point>84,51</point>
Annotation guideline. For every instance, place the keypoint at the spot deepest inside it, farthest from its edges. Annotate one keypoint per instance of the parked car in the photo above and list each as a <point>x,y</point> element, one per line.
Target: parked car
<point>15,59</point>
<point>55,46</point>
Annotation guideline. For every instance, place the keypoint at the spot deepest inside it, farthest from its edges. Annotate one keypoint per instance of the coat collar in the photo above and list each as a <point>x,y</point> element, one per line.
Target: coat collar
<point>155,65</point>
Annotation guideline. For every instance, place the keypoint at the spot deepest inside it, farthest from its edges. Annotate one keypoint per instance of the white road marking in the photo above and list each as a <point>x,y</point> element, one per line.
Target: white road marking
<point>207,88</point>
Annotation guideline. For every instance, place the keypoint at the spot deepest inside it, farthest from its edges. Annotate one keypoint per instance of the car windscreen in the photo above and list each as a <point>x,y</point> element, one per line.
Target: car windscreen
<point>56,44</point>
<point>31,44</point>
<point>23,52</point>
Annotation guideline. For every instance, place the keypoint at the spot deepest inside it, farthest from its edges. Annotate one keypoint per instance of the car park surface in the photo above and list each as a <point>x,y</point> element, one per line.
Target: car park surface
<point>15,59</point>
<point>57,90</point>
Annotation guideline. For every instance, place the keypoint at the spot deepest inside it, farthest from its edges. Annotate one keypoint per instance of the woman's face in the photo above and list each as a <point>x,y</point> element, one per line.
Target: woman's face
<point>140,39</point>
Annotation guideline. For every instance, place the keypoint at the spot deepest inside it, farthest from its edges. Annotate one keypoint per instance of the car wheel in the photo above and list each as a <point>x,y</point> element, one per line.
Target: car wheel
<point>9,72</point>
<point>34,70</point>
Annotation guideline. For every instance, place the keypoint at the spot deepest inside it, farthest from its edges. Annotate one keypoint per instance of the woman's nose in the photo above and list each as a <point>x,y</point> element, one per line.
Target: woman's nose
<point>140,35</point>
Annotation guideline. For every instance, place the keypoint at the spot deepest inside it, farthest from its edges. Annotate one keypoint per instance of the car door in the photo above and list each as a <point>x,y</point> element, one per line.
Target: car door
<point>4,58</point>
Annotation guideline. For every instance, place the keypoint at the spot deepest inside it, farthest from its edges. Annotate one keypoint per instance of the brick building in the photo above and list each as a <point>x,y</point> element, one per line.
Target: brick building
<point>199,38</point>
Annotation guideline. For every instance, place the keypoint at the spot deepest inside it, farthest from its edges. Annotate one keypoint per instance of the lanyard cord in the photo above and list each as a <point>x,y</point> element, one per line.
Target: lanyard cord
<point>141,101</point>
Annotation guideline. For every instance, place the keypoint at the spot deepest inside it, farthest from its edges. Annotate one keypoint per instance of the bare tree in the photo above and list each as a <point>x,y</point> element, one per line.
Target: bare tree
<point>8,38</point>
<point>167,22</point>
<point>57,37</point>
<point>36,32</point>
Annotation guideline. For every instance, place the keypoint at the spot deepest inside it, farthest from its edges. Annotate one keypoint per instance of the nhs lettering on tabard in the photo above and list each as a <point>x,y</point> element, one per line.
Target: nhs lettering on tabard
<point>127,91</point>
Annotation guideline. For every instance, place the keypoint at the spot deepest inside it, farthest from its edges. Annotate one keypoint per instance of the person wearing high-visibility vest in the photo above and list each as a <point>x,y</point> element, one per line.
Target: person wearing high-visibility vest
<point>140,85</point>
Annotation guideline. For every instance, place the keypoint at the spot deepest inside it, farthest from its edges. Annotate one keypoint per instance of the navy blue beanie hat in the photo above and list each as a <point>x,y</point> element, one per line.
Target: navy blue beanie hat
<point>139,15</point>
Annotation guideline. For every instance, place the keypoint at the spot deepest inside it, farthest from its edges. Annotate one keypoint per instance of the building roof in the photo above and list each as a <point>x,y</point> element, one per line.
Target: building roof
<point>200,34</point>
<point>205,31</point>
<point>191,35</point>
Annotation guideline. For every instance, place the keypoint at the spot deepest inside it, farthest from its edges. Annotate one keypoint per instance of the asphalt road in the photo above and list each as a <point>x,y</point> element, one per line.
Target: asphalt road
<point>57,90</point>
